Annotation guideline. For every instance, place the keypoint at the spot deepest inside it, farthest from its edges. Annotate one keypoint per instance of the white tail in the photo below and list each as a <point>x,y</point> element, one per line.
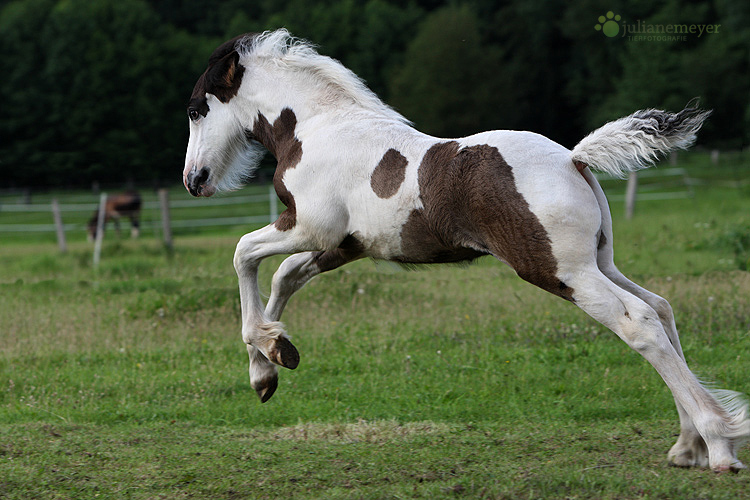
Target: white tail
<point>636,141</point>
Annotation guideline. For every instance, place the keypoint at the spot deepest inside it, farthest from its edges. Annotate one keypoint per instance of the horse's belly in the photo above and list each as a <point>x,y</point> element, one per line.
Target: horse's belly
<point>380,236</point>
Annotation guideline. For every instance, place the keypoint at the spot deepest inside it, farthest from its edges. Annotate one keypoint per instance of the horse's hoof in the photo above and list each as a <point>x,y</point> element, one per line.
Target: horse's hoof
<point>282,352</point>
<point>689,451</point>
<point>266,388</point>
<point>687,458</point>
<point>735,467</point>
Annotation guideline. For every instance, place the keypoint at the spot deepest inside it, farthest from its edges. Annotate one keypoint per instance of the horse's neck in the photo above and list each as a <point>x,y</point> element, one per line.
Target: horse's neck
<point>348,128</point>
<point>311,100</point>
<point>313,112</point>
<point>272,90</point>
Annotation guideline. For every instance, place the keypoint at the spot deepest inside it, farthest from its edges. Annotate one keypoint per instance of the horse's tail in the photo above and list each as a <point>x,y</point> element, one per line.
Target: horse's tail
<point>636,141</point>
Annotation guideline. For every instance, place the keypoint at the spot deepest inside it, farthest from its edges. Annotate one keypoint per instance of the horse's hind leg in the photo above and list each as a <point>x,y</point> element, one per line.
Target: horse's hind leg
<point>720,425</point>
<point>690,448</point>
<point>135,230</point>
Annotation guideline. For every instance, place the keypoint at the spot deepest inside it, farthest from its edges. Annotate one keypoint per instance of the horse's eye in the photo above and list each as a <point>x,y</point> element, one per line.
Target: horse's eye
<point>193,114</point>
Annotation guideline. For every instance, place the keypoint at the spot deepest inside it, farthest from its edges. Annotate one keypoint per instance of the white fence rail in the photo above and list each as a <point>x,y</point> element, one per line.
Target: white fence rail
<point>90,207</point>
<point>269,200</point>
<point>674,184</point>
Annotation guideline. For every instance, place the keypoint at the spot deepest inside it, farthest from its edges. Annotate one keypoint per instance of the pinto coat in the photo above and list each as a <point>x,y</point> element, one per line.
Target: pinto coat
<point>359,181</point>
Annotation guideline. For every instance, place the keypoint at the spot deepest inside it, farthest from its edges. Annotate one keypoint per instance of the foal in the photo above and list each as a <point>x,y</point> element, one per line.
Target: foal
<point>358,181</point>
<point>126,204</point>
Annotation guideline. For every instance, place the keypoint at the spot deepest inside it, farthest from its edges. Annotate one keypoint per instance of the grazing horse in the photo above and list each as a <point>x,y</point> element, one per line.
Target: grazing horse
<point>359,181</point>
<point>126,204</point>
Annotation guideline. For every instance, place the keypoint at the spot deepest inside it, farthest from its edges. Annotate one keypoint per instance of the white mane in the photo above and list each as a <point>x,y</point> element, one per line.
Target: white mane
<point>281,47</point>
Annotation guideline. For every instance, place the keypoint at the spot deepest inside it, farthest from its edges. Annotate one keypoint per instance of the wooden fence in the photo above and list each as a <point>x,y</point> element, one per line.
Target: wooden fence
<point>671,183</point>
<point>162,225</point>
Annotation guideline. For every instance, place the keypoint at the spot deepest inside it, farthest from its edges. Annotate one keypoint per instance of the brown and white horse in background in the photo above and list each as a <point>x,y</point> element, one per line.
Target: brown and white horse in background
<point>359,181</point>
<point>126,204</point>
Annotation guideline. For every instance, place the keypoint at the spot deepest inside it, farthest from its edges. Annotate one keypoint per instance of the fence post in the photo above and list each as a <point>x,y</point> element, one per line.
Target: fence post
<point>166,223</point>
<point>272,201</point>
<point>100,229</point>
<point>630,195</point>
<point>715,156</point>
<point>57,216</point>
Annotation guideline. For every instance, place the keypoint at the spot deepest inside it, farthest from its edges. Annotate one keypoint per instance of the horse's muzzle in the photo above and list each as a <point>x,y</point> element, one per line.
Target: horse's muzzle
<point>197,182</point>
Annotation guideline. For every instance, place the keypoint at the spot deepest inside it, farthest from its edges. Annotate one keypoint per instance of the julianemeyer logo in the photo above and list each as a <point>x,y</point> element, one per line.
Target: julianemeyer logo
<point>612,25</point>
<point>609,24</point>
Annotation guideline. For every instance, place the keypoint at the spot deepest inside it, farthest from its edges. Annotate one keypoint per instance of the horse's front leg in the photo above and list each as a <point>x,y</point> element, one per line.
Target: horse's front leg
<point>264,375</point>
<point>298,269</point>
<point>292,275</point>
<point>116,222</point>
<point>258,330</point>
<point>135,230</point>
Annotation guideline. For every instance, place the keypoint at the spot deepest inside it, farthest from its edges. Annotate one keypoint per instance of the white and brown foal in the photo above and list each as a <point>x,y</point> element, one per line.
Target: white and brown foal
<point>126,204</point>
<point>359,181</point>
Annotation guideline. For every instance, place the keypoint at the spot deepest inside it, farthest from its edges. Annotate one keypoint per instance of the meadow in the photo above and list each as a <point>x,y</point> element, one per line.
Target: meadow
<point>129,380</point>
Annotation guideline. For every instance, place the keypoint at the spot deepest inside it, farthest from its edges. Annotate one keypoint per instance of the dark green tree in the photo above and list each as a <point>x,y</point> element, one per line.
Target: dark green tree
<point>667,74</point>
<point>450,83</point>
<point>98,91</point>
<point>24,107</point>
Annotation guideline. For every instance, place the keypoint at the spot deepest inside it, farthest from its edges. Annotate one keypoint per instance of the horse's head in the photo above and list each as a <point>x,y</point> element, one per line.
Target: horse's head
<point>220,153</point>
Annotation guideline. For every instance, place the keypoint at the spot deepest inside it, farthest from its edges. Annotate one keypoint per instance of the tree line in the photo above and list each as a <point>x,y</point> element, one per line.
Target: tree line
<point>95,90</point>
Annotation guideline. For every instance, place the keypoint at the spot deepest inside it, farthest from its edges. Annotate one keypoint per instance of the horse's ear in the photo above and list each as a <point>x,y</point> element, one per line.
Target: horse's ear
<point>224,77</point>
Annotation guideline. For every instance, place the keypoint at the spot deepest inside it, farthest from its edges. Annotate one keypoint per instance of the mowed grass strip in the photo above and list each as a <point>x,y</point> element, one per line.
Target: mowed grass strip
<point>372,460</point>
<point>130,381</point>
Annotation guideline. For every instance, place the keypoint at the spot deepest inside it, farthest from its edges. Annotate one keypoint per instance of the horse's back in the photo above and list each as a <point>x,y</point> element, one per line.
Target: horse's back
<point>544,176</point>
<point>527,153</point>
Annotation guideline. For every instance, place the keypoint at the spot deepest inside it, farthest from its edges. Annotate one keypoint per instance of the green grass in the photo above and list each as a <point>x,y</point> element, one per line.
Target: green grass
<point>130,380</point>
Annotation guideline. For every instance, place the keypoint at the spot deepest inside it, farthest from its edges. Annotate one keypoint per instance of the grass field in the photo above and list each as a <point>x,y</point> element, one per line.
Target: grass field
<point>130,380</point>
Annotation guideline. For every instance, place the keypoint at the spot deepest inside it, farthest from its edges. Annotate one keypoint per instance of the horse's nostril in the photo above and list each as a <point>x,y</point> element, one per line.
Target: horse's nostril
<point>196,181</point>
<point>202,176</point>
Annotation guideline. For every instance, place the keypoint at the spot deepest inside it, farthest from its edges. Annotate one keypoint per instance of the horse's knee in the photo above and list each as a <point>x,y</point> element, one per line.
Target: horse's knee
<point>243,254</point>
<point>642,329</point>
<point>290,267</point>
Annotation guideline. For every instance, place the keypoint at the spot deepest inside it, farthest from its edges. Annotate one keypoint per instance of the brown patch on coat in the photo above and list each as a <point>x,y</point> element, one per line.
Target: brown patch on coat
<point>281,141</point>
<point>222,78</point>
<point>389,174</point>
<point>348,250</point>
<point>421,244</point>
<point>472,208</point>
